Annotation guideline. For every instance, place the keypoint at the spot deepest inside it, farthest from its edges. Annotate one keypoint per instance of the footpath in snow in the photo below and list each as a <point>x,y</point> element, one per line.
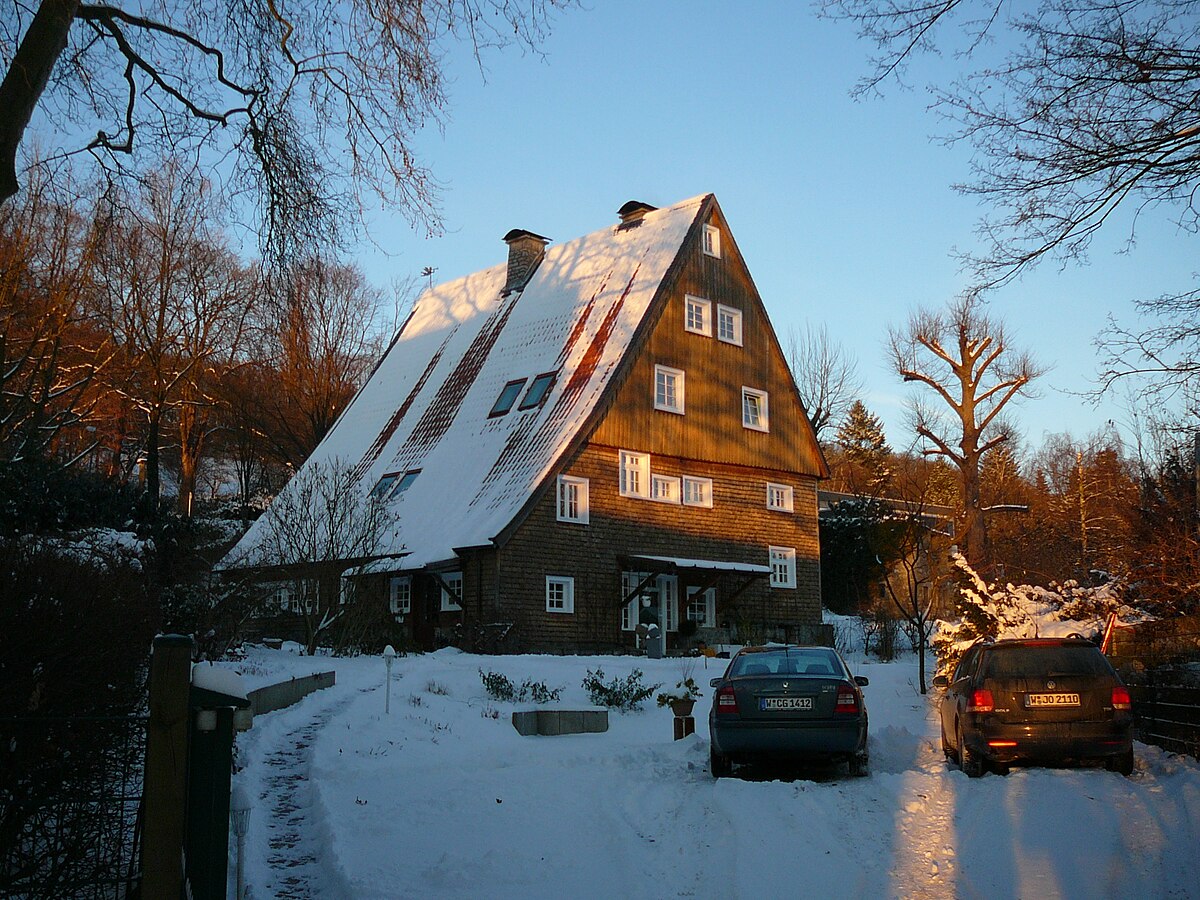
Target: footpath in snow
<point>442,798</point>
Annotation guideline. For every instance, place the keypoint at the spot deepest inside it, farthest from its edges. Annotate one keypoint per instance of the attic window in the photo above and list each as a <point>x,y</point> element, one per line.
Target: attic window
<point>384,485</point>
<point>538,390</point>
<point>507,397</point>
<point>406,482</point>
<point>712,241</point>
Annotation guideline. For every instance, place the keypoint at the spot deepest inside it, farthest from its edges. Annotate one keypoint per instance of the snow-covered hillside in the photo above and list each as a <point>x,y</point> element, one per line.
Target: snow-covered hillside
<point>442,798</point>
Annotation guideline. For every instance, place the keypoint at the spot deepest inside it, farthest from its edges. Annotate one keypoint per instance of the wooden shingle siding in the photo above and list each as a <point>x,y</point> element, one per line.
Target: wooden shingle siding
<point>715,372</point>
<point>739,528</point>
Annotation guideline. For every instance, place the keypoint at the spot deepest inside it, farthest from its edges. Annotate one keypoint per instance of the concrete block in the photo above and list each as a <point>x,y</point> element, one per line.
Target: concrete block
<point>525,721</point>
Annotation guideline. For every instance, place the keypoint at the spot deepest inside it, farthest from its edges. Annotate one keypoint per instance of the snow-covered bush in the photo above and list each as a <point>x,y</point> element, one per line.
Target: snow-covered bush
<point>989,611</point>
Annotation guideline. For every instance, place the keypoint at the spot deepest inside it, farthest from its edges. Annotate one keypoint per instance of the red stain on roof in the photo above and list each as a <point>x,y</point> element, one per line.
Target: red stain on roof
<point>397,417</point>
<point>447,402</point>
<point>520,444</point>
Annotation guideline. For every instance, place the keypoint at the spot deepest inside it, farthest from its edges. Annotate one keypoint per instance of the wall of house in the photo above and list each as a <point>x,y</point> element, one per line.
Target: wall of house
<point>715,372</point>
<point>707,440</point>
<point>738,528</point>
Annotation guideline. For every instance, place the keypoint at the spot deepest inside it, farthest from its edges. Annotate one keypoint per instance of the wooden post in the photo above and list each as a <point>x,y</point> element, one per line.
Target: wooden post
<point>165,791</point>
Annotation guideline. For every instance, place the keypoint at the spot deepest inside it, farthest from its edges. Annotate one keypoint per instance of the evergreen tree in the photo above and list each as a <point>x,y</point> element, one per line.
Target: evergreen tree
<point>865,451</point>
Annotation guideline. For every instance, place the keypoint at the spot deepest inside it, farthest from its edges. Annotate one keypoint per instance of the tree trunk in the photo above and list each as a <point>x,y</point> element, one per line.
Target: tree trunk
<point>26,79</point>
<point>153,478</point>
<point>974,540</point>
<point>192,423</point>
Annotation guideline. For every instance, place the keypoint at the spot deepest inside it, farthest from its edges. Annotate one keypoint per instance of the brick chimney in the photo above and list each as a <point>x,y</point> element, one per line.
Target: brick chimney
<point>525,252</point>
<point>631,213</point>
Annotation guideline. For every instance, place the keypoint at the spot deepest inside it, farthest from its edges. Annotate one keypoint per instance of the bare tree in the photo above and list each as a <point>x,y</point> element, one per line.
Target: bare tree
<point>176,302</point>
<point>320,335</point>
<point>311,103</point>
<point>965,359</point>
<point>825,373</point>
<point>49,350</point>
<point>322,525</point>
<point>1091,107</point>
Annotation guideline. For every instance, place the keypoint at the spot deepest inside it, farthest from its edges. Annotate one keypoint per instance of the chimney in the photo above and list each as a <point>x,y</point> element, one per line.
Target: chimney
<point>525,252</point>
<point>631,213</point>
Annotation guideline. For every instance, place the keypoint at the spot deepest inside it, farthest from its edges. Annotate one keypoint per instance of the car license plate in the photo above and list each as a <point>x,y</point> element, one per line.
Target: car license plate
<point>1032,700</point>
<point>784,703</point>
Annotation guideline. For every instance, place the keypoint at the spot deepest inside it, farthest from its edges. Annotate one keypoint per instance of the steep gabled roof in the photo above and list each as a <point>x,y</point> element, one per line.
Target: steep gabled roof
<point>426,406</point>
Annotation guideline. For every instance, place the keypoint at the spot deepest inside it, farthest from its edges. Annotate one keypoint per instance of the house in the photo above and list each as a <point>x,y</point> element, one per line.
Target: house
<point>596,436</point>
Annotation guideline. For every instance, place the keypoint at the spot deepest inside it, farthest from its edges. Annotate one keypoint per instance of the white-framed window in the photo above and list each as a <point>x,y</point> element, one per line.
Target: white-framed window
<point>697,315</point>
<point>697,491</point>
<point>729,324</point>
<point>400,595</point>
<point>572,499</point>
<point>664,488</point>
<point>702,607</point>
<point>283,596</point>
<point>712,241</point>
<point>659,594</point>
<point>668,389</point>
<point>635,474</point>
<point>781,497</point>
<point>783,566</point>
<point>452,599</point>
<point>755,411</point>
<point>560,594</point>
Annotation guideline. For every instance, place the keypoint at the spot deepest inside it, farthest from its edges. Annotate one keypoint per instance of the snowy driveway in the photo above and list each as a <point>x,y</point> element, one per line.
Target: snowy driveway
<point>442,798</point>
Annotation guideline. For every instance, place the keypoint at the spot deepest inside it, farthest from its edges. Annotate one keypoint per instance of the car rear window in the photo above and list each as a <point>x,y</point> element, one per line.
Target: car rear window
<point>787,662</point>
<point>1045,660</point>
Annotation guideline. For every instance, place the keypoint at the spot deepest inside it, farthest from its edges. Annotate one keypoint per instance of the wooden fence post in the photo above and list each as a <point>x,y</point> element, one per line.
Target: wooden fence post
<point>165,791</point>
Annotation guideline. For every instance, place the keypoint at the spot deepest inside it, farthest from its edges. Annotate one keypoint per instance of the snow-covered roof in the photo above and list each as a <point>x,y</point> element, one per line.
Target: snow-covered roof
<point>426,406</point>
<point>710,564</point>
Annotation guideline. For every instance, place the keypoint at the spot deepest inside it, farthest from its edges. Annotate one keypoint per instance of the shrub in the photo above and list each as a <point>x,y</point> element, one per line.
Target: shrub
<point>500,687</point>
<point>625,694</point>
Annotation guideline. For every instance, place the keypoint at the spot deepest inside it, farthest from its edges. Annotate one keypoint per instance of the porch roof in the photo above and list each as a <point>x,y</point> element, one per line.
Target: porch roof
<point>675,564</point>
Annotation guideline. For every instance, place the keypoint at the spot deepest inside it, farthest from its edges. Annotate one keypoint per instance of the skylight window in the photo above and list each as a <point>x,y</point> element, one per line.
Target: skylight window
<point>507,397</point>
<point>384,485</point>
<point>538,390</point>
<point>406,482</point>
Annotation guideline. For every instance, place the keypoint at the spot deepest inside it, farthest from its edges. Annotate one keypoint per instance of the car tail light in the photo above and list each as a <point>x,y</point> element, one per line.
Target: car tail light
<point>847,700</point>
<point>727,702</point>
<point>981,702</point>
<point>1121,698</point>
<point>1002,743</point>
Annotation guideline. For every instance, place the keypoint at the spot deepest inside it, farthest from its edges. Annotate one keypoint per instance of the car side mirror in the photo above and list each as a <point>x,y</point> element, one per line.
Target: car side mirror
<point>862,680</point>
<point>715,682</point>
<point>941,681</point>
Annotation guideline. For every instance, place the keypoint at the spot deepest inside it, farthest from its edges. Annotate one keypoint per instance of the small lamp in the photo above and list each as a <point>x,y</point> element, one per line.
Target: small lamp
<point>389,656</point>
<point>239,817</point>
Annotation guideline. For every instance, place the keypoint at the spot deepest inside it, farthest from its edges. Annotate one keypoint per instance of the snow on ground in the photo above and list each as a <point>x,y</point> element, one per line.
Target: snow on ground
<point>442,798</point>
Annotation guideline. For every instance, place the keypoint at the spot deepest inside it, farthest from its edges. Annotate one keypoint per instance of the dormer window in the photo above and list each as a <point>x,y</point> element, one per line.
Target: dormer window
<point>538,390</point>
<point>712,241</point>
<point>507,397</point>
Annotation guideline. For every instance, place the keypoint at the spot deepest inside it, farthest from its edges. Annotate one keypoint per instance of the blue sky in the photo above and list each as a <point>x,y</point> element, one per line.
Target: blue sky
<point>843,209</point>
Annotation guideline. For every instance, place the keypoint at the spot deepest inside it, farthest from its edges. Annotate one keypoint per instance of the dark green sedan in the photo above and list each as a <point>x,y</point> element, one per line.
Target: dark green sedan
<point>782,702</point>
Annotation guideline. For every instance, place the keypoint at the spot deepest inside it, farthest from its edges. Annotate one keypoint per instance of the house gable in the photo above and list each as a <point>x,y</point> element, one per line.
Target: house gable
<point>712,371</point>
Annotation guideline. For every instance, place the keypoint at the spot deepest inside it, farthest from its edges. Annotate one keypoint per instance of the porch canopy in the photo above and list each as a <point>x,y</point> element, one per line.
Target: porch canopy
<point>703,573</point>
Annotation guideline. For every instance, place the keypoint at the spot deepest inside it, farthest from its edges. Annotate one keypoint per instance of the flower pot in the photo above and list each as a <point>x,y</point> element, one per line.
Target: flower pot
<point>682,707</point>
